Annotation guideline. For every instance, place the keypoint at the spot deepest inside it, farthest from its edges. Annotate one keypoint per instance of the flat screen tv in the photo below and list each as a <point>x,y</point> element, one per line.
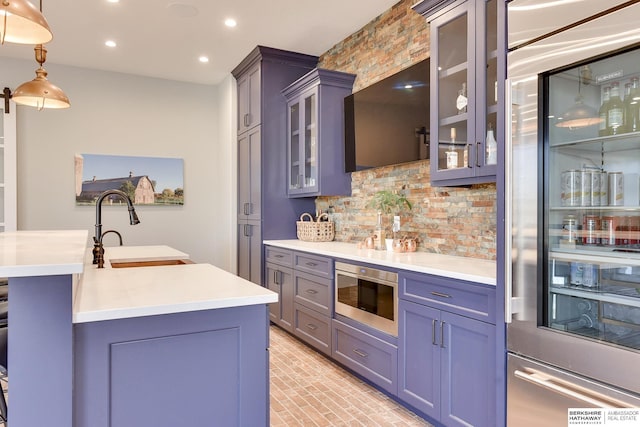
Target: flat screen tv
<point>387,123</point>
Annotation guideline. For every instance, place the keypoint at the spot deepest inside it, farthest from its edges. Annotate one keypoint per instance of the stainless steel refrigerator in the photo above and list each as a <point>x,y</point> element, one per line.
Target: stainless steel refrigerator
<point>572,209</point>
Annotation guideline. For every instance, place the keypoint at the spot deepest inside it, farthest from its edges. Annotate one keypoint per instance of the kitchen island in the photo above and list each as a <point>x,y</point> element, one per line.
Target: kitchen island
<point>139,346</point>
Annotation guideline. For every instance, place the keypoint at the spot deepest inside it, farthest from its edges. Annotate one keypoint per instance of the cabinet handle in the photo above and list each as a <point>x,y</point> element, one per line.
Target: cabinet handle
<point>442,334</point>
<point>279,256</point>
<point>311,291</point>
<point>433,332</point>
<point>478,151</point>
<point>360,353</point>
<point>312,326</point>
<point>440,294</point>
<point>275,278</point>
<point>246,208</point>
<point>468,147</point>
<point>311,264</point>
<point>247,119</point>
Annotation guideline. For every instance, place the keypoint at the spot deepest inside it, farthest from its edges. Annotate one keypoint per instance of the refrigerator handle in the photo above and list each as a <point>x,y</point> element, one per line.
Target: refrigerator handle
<point>580,394</point>
<point>511,303</point>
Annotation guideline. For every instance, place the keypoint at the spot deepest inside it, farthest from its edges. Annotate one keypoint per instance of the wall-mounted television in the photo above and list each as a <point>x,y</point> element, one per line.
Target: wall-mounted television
<point>387,123</point>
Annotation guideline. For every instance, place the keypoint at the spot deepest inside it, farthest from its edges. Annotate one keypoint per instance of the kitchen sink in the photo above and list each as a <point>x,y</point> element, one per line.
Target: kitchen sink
<point>149,263</point>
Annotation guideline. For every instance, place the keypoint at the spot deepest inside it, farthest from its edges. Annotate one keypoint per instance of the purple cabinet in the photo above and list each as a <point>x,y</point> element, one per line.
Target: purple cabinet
<point>447,360</point>
<point>279,279</point>
<point>192,369</point>
<point>315,134</point>
<point>262,152</point>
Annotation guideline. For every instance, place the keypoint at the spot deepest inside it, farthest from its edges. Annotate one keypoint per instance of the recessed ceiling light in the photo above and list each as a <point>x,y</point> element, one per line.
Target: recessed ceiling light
<point>203,59</point>
<point>230,22</point>
<point>110,43</point>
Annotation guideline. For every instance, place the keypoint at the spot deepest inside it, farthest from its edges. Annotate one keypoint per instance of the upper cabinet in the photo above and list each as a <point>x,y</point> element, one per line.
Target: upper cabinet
<point>8,185</point>
<point>467,74</point>
<point>249,99</point>
<point>315,134</point>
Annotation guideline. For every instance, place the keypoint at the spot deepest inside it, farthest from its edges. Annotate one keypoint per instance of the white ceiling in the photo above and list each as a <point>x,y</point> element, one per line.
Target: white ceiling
<point>164,38</point>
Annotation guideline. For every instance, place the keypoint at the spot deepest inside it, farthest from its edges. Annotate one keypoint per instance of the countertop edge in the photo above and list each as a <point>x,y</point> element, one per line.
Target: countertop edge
<point>470,269</point>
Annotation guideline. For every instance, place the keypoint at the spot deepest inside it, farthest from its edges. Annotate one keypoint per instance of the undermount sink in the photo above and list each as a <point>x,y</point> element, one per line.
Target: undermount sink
<point>149,263</point>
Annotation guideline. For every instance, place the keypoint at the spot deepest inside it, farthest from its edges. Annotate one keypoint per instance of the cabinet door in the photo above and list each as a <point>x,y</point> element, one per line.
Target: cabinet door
<point>468,372</point>
<point>419,357</point>
<point>249,181</point>
<point>250,251</point>
<point>464,103</point>
<point>303,143</point>
<point>249,99</point>
<point>280,280</point>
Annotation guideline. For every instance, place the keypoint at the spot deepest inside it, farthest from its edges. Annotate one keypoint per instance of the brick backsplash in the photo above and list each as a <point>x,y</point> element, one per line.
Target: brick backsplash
<point>448,220</point>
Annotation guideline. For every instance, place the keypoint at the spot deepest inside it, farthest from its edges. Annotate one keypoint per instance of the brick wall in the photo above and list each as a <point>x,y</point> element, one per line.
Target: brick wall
<point>448,220</point>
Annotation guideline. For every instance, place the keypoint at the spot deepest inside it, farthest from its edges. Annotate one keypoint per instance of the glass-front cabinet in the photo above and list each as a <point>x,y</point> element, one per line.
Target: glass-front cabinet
<point>303,143</point>
<point>465,93</point>
<point>315,126</point>
<point>591,193</point>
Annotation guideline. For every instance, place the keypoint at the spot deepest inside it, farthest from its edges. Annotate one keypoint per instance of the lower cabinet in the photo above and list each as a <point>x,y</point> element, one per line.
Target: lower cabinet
<point>279,279</point>
<point>250,251</point>
<point>369,356</point>
<point>446,360</point>
<point>304,283</point>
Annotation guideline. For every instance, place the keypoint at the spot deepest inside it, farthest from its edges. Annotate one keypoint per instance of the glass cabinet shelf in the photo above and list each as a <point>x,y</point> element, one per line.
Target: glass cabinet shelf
<point>623,142</point>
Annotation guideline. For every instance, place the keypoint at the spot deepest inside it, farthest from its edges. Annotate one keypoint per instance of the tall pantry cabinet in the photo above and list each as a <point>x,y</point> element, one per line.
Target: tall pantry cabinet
<point>264,210</point>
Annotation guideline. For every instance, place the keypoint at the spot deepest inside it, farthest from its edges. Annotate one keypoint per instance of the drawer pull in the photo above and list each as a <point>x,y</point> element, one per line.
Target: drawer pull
<point>360,353</point>
<point>312,326</point>
<point>312,264</point>
<point>311,291</point>
<point>440,294</point>
<point>279,256</point>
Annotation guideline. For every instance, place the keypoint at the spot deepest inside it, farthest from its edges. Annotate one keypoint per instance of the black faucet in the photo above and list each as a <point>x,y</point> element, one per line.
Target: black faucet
<point>112,231</point>
<point>98,249</point>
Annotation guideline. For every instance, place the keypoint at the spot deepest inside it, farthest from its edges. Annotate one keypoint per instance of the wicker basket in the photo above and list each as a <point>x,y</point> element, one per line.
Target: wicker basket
<point>318,231</point>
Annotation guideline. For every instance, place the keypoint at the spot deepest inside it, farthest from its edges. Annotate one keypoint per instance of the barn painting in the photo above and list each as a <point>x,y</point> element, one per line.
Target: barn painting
<point>146,180</point>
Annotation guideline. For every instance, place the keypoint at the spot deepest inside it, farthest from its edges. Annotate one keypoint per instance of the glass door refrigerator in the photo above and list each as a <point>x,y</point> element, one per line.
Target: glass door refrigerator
<point>573,212</point>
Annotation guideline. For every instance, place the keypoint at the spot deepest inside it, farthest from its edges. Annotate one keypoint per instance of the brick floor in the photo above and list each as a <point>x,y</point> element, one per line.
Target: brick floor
<point>307,389</point>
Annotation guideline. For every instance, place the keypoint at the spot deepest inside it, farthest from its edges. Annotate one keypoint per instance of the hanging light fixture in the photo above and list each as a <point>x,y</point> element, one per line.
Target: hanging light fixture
<point>21,22</point>
<point>39,92</point>
<point>580,115</point>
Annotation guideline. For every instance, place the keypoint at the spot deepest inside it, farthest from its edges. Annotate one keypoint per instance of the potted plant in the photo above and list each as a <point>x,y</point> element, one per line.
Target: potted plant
<point>388,202</point>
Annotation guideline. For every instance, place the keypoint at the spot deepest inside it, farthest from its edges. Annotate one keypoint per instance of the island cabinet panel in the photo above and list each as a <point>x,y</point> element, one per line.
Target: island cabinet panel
<point>194,369</point>
<point>446,355</point>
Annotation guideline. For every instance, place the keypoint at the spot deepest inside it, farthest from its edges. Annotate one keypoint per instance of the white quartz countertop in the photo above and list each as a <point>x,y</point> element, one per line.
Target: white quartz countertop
<point>462,268</point>
<point>42,253</point>
<point>114,293</point>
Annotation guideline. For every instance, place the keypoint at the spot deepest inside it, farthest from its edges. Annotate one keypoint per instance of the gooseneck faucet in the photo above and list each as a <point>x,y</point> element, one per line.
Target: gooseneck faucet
<point>98,249</point>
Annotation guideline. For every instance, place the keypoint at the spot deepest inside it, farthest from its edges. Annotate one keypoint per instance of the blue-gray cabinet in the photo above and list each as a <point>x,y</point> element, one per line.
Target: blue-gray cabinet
<point>304,283</point>
<point>315,134</point>
<point>264,210</point>
<point>446,349</point>
<point>279,279</point>
<point>466,90</point>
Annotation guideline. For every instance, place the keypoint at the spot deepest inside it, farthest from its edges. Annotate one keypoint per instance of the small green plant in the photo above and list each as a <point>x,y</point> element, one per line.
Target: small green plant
<point>388,202</point>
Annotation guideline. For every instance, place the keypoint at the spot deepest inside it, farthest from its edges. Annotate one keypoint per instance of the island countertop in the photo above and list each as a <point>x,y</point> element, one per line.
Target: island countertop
<point>114,293</point>
<point>455,267</point>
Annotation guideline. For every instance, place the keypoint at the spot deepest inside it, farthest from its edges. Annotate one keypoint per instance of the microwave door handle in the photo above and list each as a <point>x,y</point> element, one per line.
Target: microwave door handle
<point>581,394</point>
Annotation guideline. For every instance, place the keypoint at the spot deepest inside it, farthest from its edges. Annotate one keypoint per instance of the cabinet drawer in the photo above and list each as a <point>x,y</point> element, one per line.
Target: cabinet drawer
<point>465,298</point>
<point>313,292</point>
<point>313,328</point>
<point>318,265</point>
<point>278,256</point>
<point>374,359</point>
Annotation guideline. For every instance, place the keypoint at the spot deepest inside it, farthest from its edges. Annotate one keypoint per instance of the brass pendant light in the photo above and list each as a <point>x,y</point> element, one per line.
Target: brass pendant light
<point>39,92</point>
<point>21,22</point>
<point>580,115</point>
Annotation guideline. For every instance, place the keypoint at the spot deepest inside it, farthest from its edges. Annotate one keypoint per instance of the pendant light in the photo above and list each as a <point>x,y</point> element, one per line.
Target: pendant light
<point>580,115</point>
<point>39,92</point>
<point>21,22</point>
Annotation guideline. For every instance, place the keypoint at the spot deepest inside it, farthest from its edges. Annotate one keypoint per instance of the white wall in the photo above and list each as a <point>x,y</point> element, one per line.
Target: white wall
<point>120,114</point>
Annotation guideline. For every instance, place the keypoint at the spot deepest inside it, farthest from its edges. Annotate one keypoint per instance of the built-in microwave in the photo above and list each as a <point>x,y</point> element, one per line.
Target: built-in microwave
<point>367,295</point>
